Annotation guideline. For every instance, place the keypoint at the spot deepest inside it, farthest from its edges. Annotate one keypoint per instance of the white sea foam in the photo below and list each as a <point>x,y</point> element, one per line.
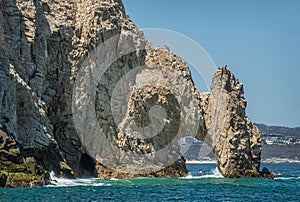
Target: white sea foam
<point>215,174</point>
<point>62,182</point>
<point>286,178</point>
<point>114,179</point>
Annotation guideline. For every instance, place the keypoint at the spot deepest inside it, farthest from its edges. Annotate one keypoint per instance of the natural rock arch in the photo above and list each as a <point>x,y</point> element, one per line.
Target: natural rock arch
<point>41,74</point>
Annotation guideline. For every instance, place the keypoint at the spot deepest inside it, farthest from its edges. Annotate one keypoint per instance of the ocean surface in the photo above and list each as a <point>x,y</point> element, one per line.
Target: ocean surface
<point>209,187</point>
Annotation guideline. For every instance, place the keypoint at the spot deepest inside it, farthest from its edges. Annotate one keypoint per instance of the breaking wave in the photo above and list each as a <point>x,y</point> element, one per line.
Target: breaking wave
<point>62,182</point>
<point>215,173</point>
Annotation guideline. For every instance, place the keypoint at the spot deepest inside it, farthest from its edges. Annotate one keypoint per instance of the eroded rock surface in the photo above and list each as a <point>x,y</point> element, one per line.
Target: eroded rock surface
<point>235,140</point>
<point>17,169</point>
<point>43,45</point>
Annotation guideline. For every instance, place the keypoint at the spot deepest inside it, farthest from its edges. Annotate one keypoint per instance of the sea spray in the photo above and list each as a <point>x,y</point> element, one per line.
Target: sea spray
<point>217,173</point>
<point>214,173</point>
<point>63,182</point>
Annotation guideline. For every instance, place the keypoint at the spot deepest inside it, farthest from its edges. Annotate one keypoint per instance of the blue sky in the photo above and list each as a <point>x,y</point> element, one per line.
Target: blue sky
<point>258,40</point>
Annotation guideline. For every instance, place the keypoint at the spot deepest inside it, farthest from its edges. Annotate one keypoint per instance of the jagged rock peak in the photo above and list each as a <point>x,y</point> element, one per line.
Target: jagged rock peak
<point>236,141</point>
<point>229,82</point>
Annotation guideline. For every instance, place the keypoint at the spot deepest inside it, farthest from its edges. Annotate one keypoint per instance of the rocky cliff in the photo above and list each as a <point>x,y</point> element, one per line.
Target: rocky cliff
<point>44,44</point>
<point>235,140</point>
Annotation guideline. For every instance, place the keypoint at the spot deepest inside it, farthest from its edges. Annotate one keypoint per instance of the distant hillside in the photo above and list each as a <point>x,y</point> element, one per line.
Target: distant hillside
<point>278,130</point>
<point>279,143</point>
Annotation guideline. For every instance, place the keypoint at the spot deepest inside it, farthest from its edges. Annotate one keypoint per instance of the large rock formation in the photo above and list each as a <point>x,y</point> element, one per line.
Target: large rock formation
<point>43,45</point>
<point>235,140</point>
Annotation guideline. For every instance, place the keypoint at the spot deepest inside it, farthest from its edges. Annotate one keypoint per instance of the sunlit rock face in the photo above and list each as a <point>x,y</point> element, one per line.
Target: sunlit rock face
<point>235,140</point>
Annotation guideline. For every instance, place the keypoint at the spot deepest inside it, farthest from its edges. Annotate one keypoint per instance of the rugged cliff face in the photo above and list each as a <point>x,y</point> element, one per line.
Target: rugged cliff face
<point>235,140</point>
<point>43,46</point>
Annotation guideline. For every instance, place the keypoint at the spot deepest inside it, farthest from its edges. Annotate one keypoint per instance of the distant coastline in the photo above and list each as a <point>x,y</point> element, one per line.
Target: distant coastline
<point>280,160</point>
<point>271,160</point>
<point>200,162</point>
<point>279,145</point>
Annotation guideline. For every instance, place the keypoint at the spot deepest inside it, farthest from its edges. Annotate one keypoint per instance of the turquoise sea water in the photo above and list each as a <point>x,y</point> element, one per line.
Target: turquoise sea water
<point>210,187</point>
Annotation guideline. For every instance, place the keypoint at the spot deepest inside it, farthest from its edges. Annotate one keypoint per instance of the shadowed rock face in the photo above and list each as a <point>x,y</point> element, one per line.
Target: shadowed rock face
<point>44,43</point>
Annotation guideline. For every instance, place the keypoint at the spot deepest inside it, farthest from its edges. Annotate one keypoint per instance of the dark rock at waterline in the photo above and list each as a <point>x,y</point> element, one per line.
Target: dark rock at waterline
<point>3,179</point>
<point>266,173</point>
